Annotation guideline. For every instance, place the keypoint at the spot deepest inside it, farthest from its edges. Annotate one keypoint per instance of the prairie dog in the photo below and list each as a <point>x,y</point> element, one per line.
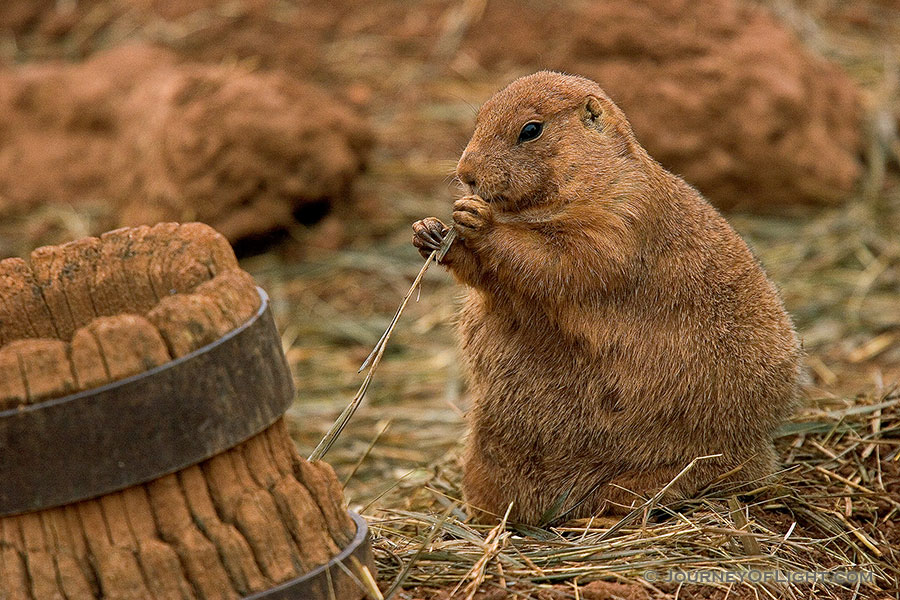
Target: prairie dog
<point>616,327</point>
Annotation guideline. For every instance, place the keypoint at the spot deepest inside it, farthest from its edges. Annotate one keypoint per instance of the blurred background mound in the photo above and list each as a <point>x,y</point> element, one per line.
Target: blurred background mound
<point>717,90</point>
<point>254,116</point>
<point>137,138</point>
<point>242,151</point>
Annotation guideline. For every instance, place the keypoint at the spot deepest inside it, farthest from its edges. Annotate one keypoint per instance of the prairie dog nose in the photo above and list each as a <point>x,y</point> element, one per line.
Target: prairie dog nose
<point>465,170</point>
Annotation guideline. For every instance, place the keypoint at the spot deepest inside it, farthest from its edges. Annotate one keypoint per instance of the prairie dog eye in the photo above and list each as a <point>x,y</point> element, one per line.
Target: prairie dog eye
<point>532,130</point>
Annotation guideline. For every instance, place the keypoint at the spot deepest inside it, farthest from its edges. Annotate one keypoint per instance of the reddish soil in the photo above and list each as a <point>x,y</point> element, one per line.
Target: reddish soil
<point>239,150</point>
<point>717,90</point>
<point>226,127</point>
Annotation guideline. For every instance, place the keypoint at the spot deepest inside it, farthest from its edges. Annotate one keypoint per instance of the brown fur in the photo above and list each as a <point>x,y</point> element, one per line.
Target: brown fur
<point>616,327</point>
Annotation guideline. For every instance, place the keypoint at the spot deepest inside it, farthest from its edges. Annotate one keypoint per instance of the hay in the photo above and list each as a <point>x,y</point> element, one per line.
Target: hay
<point>830,509</point>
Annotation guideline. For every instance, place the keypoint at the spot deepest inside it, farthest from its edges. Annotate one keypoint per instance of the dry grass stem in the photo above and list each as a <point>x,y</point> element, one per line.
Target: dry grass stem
<point>377,352</point>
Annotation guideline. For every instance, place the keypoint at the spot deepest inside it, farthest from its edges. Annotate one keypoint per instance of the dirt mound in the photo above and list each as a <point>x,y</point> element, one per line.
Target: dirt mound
<point>241,151</point>
<point>716,90</point>
<point>82,314</point>
<point>157,140</point>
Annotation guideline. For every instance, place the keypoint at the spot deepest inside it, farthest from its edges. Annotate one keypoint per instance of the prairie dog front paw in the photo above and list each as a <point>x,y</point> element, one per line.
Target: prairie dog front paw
<point>472,216</point>
<point>428,235</point>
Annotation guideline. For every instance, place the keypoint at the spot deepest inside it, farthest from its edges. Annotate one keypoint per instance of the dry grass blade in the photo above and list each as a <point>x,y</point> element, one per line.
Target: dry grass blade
<point>365,454</point>
<point>369,582</point>
<point>401,576</point>
<point>491,547</point>
<point>437,255</point>
<point>332,435</point>
<point>751,547</point>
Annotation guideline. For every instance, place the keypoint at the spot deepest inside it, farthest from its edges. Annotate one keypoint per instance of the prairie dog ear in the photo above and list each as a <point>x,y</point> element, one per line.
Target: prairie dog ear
<point>592,110</point>
<point>598,112</point>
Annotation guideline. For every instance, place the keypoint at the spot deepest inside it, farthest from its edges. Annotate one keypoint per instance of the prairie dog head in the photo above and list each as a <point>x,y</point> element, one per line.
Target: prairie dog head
<point>546,138</point>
